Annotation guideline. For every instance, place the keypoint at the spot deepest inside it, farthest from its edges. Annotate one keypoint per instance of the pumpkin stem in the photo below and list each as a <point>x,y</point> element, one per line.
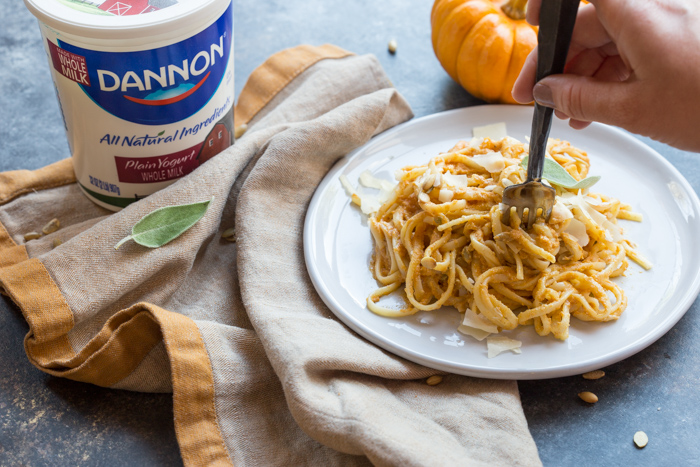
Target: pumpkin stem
<point>515,9</point>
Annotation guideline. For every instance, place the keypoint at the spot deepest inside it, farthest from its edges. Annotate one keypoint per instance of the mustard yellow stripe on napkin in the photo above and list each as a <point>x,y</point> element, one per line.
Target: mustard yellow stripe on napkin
<point>31,287</point>
<point>11,252</point>
<point>19,182</point>
<point>278,71</point>
<point>196,425</point>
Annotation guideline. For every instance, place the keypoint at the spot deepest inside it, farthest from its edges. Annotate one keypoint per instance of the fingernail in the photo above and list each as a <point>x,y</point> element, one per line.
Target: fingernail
<point>543,95</point>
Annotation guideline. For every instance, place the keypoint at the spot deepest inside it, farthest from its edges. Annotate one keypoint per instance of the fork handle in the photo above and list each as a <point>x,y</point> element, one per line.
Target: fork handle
<point>557,19</point>
<point>541,123</point>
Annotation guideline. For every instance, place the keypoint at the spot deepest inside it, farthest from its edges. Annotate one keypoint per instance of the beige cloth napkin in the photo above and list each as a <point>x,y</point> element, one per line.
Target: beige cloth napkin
<point>262,373</point>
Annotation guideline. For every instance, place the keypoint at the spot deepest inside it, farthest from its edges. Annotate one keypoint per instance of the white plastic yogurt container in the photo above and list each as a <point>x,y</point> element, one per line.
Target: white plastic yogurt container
<point>145,88</point>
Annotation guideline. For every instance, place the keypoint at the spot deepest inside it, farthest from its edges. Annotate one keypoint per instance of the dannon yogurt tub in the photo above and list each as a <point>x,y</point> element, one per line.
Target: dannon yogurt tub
<point>145,88</point>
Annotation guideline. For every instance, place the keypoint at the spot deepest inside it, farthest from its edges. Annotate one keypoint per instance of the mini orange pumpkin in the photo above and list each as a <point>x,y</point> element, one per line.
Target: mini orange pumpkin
<point>482,44</point>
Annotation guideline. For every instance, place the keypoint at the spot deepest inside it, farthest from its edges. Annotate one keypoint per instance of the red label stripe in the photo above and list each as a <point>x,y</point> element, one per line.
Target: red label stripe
<point>171,100</point>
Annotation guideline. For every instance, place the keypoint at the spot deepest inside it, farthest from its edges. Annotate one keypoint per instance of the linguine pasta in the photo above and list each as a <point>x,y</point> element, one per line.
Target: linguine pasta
<point>439,236</point>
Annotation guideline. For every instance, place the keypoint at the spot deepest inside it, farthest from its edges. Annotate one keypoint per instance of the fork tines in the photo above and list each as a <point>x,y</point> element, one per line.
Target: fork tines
<point>534,197</point>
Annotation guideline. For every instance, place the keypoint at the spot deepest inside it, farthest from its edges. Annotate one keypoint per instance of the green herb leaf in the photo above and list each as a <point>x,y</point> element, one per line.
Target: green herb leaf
<point>557,175</point>
<point>161,133</point>
<point>165,224</point>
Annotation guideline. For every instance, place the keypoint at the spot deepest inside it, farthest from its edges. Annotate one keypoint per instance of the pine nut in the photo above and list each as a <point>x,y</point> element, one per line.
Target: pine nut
<point>229,234</point>
<point>588,397</point>
<point>596,374</point>
<point>31,236</point>
<point>428,262</point>
<point>434,380</point>
<point>52,226</point>
<point>641,439</point>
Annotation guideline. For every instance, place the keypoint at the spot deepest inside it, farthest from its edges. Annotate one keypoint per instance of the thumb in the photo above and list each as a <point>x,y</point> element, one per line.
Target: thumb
<point>588,99</point>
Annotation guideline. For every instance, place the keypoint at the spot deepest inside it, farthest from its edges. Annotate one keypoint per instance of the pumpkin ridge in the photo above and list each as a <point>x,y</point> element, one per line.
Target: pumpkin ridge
<point>436,6</point>
<point>504,82</point>
<point>524,42</point>
<point>455,29</point>
<point>494,60</point>
<point>468,60</point>
<point>441,10</point>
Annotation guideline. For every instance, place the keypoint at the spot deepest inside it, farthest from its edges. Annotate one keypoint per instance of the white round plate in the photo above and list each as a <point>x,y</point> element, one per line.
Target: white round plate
<point>338,247</point>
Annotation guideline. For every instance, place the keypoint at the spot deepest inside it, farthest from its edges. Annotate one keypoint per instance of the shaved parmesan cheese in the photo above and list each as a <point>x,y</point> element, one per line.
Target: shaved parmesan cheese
<point>474,143</point>
<point>370,204</point>
<point>477,334</point>
<point>370,181</point>
<point>560,213</point>
<point>445,195</point>
<point>384,195</point>
<point>457,181</point>
<point>425,181</point>
<point>346,184</point>
<point>492,161</point>
<point>595,215</point>
<point>494,131</point>
<point>476,326</point>
<point>612,232</point>
<point>593,201</point>
<point>569,199</point>
<point>473,320</point>
<point>577,229</point>
<point>499,344</point>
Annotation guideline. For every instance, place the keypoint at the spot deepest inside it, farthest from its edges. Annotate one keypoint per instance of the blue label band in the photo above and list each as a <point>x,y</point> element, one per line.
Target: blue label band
<point>159,86</point>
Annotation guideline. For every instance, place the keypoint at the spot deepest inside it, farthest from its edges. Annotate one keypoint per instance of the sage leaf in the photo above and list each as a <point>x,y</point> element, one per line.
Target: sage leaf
<point>165,224</point>
<point>557,175</point>
<point>585,183</point>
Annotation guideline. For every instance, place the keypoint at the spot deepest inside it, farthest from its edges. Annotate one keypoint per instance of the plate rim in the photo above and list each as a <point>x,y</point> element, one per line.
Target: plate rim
<point>309,239</point>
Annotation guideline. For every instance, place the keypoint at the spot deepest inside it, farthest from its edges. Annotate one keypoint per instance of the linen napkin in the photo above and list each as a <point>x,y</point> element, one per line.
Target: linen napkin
<point>261,372</point>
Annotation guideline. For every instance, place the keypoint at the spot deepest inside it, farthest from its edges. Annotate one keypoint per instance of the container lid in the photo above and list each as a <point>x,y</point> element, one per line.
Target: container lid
<point>126,19</point>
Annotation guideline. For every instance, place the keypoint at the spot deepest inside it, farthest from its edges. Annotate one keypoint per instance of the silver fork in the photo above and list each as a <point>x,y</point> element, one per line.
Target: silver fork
<point>557,18</point>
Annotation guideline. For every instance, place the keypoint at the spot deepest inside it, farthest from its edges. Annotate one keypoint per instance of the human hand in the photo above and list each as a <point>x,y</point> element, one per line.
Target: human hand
<point>633,64</point>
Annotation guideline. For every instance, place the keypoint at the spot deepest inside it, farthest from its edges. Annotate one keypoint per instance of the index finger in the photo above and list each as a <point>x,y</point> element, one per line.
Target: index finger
<point>588,32</point>
<point>532,13</point>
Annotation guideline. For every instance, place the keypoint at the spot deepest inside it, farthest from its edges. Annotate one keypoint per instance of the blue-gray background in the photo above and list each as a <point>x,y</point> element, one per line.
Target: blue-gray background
<point>52,421</point>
